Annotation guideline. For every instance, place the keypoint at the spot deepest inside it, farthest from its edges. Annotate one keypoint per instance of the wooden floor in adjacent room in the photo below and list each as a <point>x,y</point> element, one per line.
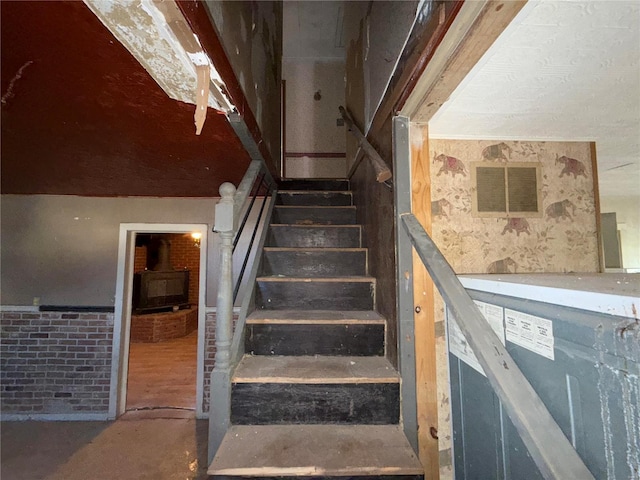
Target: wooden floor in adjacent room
<point>163,375</point>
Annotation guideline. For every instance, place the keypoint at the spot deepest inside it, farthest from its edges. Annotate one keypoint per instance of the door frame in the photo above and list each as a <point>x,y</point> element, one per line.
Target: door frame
<point>122,312</point>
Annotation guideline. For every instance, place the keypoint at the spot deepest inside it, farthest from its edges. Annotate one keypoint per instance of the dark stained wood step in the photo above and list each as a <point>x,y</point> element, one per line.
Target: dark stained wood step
<point>314,184</point>
<point>297,338</point>
<point>314,370</point>
<point>317,451</point>
<point>315,317</point>
<point>314,236</point>
<point>301,197</point>
<point>314,262</point>
<point>341,293</point>
<point>310,403</point>
<point>314,215</point>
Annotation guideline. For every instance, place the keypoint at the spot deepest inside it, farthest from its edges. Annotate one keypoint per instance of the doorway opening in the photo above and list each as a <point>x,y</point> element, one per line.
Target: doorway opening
<point>159,323</point>
<point>164,323</point>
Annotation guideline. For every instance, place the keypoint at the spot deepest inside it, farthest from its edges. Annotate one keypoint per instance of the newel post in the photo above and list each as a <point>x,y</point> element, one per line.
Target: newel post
<point>220,390</point>
<point>224,225</point>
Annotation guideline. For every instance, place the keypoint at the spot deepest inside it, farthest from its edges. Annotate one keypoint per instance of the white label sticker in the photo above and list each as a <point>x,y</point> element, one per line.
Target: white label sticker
<point>458,344</point>
<point>533,333</point>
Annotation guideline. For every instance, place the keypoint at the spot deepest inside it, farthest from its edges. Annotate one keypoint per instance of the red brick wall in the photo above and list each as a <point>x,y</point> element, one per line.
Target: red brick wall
<point>185,254</point>
<point>210,355</point>
<point>140,259</point>
<point>55,362</point>
<point>160,327</point>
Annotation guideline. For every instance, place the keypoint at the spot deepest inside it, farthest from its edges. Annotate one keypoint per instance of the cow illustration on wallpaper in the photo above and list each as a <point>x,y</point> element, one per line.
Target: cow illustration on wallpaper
<point>497,152</point>
<point>562,209</point>
<point>450,165</point>
<point>505,265</point>
<point>518,225</point>
<point>440,207</point>
<point>571,166</point>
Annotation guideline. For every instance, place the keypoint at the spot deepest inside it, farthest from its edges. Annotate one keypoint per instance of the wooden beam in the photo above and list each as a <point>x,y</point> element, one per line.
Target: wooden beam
<point>424,38</point>
<point>596,202</point>
<point>476,26</point>
<point>424,315</point>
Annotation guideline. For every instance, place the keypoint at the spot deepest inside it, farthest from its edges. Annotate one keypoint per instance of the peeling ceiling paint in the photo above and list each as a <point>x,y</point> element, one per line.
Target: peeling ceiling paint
<point>143,28</point>
<point>85,118</point>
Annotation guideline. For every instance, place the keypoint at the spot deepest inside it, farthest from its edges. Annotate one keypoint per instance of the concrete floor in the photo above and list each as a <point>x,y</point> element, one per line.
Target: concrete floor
<point>149,442</point>
<point>133,449</point>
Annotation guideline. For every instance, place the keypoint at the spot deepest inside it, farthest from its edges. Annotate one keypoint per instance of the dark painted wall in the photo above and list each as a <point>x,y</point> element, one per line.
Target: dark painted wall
<point>369,66</point>
<point>251,35</point>
<point>81,116</point>
<point>375,213</point>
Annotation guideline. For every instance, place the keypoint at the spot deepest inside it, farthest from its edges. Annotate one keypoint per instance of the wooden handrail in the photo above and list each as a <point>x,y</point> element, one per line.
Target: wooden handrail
<point>550,449</point>
<point>382,170</point>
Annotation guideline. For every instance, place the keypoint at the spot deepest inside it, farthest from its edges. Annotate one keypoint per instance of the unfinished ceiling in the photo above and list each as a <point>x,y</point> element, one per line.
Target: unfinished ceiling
<point>81,116</point>
<point>560,71</point>
<point>313,30</point>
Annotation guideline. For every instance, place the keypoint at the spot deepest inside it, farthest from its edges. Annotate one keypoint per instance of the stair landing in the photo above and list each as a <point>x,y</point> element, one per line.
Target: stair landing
<point>315,450</point>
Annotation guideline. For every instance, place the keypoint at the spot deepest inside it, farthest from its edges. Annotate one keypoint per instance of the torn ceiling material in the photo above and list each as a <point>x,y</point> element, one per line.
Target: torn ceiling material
<point>158,36</point>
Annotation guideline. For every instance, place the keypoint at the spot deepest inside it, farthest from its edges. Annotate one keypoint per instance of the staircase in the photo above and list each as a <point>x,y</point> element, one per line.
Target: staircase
<point>315,396</point>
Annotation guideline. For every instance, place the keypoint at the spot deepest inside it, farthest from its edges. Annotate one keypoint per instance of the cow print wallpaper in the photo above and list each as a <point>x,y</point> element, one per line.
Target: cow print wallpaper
<point>563,239</point>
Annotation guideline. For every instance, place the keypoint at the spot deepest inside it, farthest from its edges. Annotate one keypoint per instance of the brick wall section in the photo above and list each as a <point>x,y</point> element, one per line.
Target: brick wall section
<point>184,254</point>
<point>55,362</point>
<point>140,259</point>
<point>160,327</point>
<point>210,355</point>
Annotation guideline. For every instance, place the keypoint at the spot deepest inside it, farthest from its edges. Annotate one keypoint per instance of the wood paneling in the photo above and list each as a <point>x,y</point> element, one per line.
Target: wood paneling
<point>424,317</point>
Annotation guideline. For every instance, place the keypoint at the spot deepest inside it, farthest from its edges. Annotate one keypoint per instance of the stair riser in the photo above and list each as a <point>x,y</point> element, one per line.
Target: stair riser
<point>314,237</point>
<point>324,198</point>
<point>324,185</point>
<point>314,264</point>
<point>283,403</point>
<point>359,477</point>
<point>315,295</point>
<point>307,339</point>
<point>314,216</point>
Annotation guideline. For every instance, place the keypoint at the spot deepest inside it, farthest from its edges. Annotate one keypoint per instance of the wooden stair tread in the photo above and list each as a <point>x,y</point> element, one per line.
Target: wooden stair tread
<point>314,369</point>
<point>315,316</point>
<point>315,249</point>
<point>316,225</point>
<point>315,450</point>
<point>316,192</point>
<point>350,278</point>
<point>314,207</point>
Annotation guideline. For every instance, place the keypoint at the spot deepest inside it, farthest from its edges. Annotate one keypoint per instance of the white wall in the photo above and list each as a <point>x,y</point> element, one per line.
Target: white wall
<point>63,249</point>
<point>311,121</point>
<point>627,211</point>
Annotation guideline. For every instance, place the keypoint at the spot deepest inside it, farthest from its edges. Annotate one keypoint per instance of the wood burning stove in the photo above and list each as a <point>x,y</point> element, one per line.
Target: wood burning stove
<point>155,291</point>
<point>160,287</point>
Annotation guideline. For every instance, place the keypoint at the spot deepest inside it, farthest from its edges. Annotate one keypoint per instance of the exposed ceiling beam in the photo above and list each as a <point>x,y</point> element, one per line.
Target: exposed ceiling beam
<point>158,36</point>
<point>475,28</point>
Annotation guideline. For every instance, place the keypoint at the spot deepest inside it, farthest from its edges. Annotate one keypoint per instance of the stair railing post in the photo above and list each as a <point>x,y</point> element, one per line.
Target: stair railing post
<point>219,411</point>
